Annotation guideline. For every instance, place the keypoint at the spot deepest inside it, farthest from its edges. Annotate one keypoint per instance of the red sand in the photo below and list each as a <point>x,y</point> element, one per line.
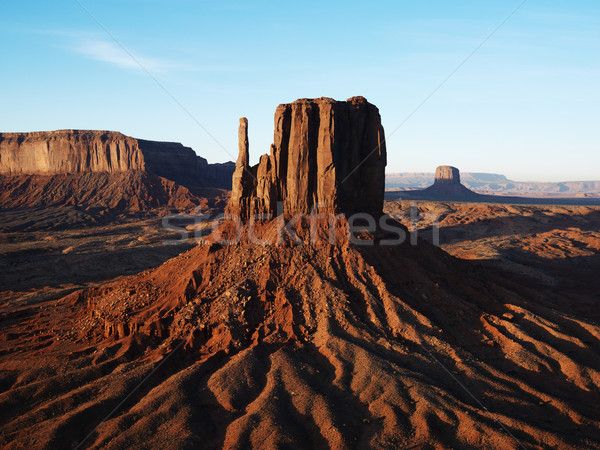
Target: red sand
<point>302,346</point>
<point>132,191</point>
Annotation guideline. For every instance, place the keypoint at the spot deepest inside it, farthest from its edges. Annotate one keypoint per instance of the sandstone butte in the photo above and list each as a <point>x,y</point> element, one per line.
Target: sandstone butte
<point>326,155</point>
<point>447,175</point>
<point>447,186</point>
<point>83,151</point>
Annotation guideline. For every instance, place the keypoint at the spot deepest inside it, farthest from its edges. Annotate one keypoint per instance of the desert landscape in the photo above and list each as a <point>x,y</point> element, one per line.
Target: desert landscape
<point>318,225</point>
<point>274,318</point>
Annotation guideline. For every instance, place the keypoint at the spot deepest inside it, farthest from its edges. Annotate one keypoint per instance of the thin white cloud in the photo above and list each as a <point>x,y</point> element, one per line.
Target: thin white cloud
<point>95,46</point>
<point>109,52</point>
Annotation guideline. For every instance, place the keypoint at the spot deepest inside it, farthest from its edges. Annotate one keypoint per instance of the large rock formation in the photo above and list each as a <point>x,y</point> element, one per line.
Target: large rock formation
<point>79,151</point>
<point>447,175</point>
<point>446,186</point>
<point>327,155</point>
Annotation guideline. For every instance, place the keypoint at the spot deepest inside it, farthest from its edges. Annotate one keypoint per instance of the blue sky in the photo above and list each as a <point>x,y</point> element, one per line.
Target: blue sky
<point>526,104</point>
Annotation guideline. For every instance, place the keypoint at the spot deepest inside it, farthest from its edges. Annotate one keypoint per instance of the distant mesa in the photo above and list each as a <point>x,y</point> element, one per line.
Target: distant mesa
<point>446,175</point>
<point>327,155</point>
<point>446,186</point>
<point>492,183</point>
<point>103,169</point>
<point>79,151</point>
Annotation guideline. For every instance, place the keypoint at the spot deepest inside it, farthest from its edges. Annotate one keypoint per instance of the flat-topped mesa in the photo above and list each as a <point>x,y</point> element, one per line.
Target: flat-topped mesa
<point>68,151</point>
<point>447,175</point>
<point>81,151</point>
<point>326,155</point>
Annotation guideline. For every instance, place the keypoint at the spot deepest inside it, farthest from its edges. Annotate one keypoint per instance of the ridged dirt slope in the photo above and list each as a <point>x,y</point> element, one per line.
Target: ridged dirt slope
<point>302,346</point>
<point>133,190</point>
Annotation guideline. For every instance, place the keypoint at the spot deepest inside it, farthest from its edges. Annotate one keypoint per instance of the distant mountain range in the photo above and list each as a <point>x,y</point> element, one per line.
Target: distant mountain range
<point>491,183</point>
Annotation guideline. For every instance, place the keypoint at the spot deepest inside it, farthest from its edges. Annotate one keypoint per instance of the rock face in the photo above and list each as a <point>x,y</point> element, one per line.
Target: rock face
<point>79,151</point>
<point>68,151</point>
<point>326,155</point>
<point>447,175</point>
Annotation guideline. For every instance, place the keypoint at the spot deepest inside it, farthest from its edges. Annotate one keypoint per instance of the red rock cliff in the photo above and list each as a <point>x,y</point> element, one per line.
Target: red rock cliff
<point>327,154</point>
<point>79,151</point>
<point>447,175</point>
<point>68,151</point>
